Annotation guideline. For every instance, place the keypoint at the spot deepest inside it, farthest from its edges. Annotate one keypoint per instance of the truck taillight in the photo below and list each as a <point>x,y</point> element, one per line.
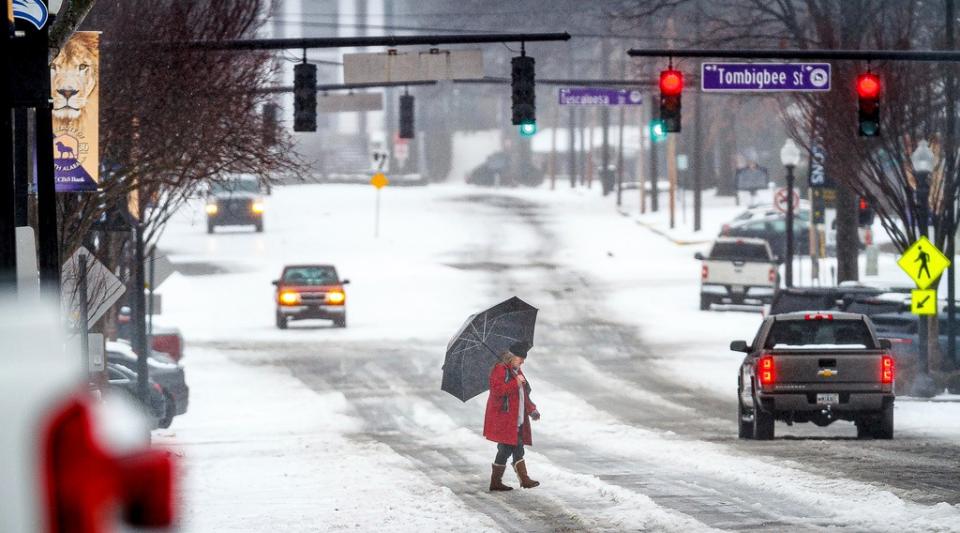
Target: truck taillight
<point>704,272</point>
<point>766,370</point>
<point>84,483</point>
<point>772,276</point>
<point>887,369</point>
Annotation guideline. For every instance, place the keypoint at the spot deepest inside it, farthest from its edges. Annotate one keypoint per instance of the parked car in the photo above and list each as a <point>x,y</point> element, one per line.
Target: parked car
<point>124,381</point>
<point>789,300</point>
<point>235,201</point>
<point>497,169</point>
<point>737,271</point>
<point>168,373</point>
<point>772,229</point>
<point>310,292</point>
<point>769,210</point>
<point>165,338</point>
<point>816,367</point>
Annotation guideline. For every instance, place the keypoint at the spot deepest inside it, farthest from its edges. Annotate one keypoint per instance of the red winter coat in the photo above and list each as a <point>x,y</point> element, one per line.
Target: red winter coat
<point>500,425</point>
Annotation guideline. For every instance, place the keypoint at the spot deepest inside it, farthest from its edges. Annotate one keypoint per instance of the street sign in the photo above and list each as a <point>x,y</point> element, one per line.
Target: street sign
<point>595,96</point>
<point>379,180</point>
<point>103,287</point>
<point>162,269</point>
<point>339,103</point>
<point>780,200</point>
<point>412,66</point>
<point>764,77</point>
<point>923,302</point>
<point>923,262</point>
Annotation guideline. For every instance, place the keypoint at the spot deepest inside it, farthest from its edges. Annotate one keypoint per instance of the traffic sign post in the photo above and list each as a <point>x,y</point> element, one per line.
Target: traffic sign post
<point>379,181</point>
<point>765,77</point>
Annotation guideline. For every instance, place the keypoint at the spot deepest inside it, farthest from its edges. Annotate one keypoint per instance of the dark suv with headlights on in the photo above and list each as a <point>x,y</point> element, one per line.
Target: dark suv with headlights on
<point>311,291</point>
<point>235,202</point>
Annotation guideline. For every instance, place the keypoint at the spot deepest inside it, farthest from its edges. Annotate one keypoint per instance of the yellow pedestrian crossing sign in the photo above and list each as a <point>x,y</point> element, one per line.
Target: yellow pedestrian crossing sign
<point>923,262</point>
<point>923,302</point>
<point>379,180</point>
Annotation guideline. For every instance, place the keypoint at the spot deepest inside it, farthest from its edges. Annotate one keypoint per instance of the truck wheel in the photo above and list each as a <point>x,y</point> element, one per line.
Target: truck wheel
<point>210,227</point>
<point>745,428</point>
<point>704,303</point>
<point>762,423</point>
<point>340,322</point>
<point>864,428</point>
<point>281,321</point>
<point>259,227</point>
<point>883,427</point>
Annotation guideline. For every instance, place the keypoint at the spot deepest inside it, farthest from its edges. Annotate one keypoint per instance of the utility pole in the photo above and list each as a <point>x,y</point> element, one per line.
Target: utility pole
<point>697,143</point>
<point>672,176</point>
<point>572,129</point>
<point>605,177</point>
<point>950,177</point>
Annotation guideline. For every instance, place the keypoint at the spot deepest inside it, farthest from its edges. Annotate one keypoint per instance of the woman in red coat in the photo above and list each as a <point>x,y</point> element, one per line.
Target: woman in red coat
<point>507,421</point>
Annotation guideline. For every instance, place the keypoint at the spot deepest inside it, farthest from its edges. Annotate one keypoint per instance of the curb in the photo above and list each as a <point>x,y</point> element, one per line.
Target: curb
<point>665,235</point>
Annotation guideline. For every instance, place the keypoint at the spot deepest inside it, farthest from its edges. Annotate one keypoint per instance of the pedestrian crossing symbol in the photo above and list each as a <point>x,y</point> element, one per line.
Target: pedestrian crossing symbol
<point>923,262</point>
<point>923,302</point>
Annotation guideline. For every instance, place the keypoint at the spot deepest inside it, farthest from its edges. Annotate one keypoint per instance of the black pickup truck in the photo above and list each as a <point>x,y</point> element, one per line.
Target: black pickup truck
<point>816,367</point>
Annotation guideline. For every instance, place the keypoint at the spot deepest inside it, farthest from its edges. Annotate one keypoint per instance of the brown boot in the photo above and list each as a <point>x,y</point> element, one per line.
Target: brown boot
<point>525,481</point>
<point>496,478</point>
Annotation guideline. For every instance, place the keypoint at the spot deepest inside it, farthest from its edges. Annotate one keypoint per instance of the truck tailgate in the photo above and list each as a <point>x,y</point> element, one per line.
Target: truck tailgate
<point>814,366</point>
<point>739,272</point>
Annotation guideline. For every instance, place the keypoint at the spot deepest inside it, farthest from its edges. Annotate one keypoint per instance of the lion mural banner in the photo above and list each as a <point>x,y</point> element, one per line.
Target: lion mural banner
<point>75,80</point>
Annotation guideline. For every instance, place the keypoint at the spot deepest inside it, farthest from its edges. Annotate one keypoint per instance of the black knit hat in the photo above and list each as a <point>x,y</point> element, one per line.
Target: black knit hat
<point>520,349</point>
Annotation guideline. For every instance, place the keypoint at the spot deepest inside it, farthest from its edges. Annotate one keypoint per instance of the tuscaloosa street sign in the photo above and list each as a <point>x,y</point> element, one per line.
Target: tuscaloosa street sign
<point>764,77</point>
<point>600,96</point>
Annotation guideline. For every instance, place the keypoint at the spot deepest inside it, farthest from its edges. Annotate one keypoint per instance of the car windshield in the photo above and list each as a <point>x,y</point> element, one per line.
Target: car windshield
<point>738,251</point>
<point>231,186</point>
<point>819,332</point>
<point>311,275</point>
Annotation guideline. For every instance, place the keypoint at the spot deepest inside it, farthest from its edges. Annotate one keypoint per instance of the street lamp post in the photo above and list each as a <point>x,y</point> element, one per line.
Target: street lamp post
<point>790,157</point>
<point>923,162</point>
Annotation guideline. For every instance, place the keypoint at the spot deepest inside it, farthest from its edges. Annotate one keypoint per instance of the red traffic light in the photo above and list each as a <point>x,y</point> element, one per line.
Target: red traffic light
<point>868,85</point>
<point>671,82</point>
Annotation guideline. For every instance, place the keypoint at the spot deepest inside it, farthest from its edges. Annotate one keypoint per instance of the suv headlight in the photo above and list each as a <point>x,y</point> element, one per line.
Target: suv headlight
<point>289,298</point>
<point>335,297</point>
<point>257,207</point>
<point>212,209</point>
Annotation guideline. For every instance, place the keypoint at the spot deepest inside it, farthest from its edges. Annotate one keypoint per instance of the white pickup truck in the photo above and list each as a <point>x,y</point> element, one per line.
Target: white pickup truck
<point>738,271</point>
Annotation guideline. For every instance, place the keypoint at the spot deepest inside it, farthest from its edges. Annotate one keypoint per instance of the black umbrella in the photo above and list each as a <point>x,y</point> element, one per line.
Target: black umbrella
<point>473,351</point>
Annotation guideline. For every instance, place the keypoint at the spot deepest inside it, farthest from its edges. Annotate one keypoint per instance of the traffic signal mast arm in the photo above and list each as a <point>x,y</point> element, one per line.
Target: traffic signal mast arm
<point>827,55</point>
<point>348,42</point>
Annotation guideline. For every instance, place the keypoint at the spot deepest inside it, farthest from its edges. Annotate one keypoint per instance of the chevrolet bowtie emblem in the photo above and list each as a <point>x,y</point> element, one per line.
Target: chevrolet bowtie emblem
<point>827,373</point>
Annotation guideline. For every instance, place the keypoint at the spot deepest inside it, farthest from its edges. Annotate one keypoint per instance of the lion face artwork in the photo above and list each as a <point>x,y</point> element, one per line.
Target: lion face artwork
<point>74,76</point>
<point>76,114</point>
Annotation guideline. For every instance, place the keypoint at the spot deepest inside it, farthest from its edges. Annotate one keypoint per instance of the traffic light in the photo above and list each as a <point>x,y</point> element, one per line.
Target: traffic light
<point>523,84</point>
<point>304,97</point>
<point>865,214</point>
<point>868,114</point>
<point>406,116</point>
<point>658,132</point>
<point>671,89</point>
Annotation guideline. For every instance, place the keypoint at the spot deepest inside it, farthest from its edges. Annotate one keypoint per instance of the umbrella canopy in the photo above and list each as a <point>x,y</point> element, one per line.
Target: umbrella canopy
<point>474,349</point>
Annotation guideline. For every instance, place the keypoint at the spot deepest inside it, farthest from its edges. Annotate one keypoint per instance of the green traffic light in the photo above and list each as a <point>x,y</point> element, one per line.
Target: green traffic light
<point>658,131</point>
<point>528,128</point>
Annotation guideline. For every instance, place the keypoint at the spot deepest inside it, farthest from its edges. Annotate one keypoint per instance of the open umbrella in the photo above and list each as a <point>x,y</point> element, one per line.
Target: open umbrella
<point>473,351</point>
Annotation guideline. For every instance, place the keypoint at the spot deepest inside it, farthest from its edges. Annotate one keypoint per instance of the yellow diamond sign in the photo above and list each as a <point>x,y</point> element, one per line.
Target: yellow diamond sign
<point>923,262</point>
<point>923,302</point>
<point>379,180</point>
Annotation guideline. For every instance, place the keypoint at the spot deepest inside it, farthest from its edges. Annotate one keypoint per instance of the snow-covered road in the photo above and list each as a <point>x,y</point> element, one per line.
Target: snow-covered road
<point>315,429</point>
